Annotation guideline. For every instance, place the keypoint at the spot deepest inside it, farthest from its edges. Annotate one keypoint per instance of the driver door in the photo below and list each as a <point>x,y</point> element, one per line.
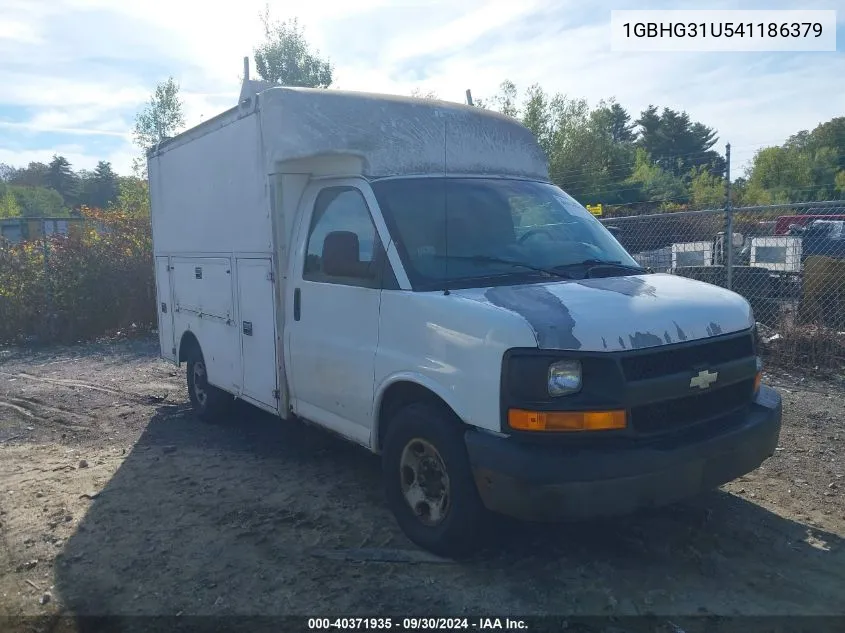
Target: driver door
<point>332,320</point>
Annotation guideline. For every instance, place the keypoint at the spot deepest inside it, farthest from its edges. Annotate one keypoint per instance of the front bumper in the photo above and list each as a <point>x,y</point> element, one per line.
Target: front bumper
<point>553,483</point>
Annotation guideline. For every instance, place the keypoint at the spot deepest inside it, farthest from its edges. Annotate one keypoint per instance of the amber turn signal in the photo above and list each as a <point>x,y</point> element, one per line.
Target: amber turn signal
<point>522,420</point>
<point>758,380</point>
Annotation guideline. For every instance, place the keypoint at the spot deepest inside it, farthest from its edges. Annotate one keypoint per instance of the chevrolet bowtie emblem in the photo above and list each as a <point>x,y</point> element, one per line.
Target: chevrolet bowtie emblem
<point>703,379</point>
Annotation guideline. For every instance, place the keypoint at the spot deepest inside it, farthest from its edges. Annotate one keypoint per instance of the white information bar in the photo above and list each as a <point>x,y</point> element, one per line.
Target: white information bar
<point>722,30</point>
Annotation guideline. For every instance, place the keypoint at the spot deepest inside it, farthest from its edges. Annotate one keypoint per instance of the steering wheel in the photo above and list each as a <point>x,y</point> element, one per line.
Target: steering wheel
<point>537,231</point>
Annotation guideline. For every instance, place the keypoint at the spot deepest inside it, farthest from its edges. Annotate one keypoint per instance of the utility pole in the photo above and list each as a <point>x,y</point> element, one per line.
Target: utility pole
<point>729,221</point>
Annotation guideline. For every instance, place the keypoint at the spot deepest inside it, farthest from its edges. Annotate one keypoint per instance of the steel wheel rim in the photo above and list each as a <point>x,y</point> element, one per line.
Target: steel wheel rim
<point>424,481</point>
<point>200,382</point>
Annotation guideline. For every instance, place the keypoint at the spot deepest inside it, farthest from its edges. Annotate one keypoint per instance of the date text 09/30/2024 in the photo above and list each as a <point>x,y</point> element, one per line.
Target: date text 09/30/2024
<point>417,624</point>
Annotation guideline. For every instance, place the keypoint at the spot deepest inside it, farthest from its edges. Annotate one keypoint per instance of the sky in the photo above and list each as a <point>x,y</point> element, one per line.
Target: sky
<point>74,73</point>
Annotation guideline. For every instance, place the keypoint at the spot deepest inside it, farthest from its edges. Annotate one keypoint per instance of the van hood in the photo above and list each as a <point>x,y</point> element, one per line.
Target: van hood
<point>620,313</point>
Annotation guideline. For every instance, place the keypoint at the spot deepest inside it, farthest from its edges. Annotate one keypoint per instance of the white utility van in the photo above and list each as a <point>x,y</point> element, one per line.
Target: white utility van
<point>403,273</point>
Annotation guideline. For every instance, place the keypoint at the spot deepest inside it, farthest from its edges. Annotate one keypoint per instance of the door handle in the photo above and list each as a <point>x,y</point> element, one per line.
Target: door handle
<point>248,328</point>
<point>296,304</point>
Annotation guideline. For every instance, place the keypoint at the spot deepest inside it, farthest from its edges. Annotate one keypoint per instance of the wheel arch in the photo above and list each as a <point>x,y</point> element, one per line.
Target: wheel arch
<point>399,391</point>
<point>188,341</point>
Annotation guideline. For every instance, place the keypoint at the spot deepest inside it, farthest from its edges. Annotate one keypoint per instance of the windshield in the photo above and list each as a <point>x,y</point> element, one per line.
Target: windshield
<point>470,231</point>
<point>829,228</point>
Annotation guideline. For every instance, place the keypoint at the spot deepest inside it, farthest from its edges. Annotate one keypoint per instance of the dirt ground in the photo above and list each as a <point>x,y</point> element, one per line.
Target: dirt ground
<point>114,499</point>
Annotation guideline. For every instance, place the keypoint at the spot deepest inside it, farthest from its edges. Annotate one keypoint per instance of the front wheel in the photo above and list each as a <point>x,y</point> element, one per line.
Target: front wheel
<point>429,483</point>
<point>209,402</point>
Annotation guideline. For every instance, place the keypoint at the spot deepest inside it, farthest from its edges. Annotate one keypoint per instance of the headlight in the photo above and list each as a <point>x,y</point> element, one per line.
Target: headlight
<point>564,378</point>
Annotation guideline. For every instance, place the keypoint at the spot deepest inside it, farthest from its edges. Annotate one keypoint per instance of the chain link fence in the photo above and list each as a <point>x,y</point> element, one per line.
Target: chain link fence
<point>788,260</point>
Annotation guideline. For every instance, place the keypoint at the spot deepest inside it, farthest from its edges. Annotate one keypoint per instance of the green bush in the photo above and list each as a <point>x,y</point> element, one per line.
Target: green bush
<point>97,279</point>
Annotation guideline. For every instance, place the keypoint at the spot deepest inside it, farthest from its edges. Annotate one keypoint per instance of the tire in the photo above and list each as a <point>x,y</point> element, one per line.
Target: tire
<point>448,525</point>
<point>210,403</point>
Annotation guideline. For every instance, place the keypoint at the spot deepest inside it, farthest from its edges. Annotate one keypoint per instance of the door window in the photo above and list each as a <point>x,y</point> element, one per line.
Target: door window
<point>343,246</point>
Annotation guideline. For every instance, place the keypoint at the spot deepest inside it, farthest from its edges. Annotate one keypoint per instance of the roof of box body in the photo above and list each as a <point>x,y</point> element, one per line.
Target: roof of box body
<point>391,135</point>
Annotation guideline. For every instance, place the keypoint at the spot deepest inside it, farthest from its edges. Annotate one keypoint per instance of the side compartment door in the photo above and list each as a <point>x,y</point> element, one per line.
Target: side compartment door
<point>256,302</point>
<point>204,303</point>
<point>164,308</point>
<point>332,313</point>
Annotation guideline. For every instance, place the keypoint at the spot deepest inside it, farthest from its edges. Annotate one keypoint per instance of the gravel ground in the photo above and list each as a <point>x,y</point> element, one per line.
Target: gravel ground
<point>115,500</point>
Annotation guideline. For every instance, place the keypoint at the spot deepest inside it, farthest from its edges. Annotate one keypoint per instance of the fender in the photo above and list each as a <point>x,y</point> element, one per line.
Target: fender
<point>408,376</point>
<point>208,369</point>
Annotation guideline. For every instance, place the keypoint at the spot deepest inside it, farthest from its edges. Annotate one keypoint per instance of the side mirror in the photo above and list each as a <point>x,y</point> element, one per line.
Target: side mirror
<point>341,255</point>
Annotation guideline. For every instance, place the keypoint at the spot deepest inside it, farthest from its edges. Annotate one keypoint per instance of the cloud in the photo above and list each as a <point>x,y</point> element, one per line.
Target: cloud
<point>42,123</point>
<point>19,32</point>
<point>75,72</point>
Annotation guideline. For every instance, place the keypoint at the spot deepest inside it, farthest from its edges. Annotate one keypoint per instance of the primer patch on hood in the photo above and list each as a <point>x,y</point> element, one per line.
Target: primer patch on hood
<point>546,314</point>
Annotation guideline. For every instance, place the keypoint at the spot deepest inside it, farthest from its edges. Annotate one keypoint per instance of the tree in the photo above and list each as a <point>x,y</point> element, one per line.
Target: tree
<point>506,101</point>
<point>60,177</point>
<point>651,137</point>
<point>825,166</point>
<point>830,134</point>
<point>840,182</point>
<point>133,196</point>
<point>85,178</point>
<point>33,175</point>
<point>616,121</point>
<point>678,144</point>
<point>481,103</point>
<point>536,116</point>
<point>780,174</point>
<point>161,118</point>
<point>585,159</point>
<point>102,186</point>
<point>285,57</point>
<point>418,93</point>
<point>707,191</point>
<point>654,183</point>
<point>9,207</point>
<point>806,167</point>
<point>611,139</point>
<point>39,202</point>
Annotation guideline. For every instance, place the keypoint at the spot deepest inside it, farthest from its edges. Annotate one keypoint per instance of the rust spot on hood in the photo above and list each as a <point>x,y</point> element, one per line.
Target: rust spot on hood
<point>644,339</point>
<point>714,329</point>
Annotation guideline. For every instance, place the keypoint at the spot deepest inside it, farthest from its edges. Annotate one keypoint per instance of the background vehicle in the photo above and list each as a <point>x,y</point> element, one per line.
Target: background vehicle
<point>785,223</point>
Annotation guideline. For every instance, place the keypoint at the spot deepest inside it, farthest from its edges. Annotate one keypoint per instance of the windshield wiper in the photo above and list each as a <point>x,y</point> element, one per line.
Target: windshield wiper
<point>590,264</point>
<point>487,259</point>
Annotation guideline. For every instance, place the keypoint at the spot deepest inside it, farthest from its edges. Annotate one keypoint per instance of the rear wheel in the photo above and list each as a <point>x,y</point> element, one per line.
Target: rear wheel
<point>429,483</point>
<point>209,402</point>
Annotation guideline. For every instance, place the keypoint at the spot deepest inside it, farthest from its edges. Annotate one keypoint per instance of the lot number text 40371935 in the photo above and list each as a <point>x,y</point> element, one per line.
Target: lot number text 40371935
<point>417,624</point>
